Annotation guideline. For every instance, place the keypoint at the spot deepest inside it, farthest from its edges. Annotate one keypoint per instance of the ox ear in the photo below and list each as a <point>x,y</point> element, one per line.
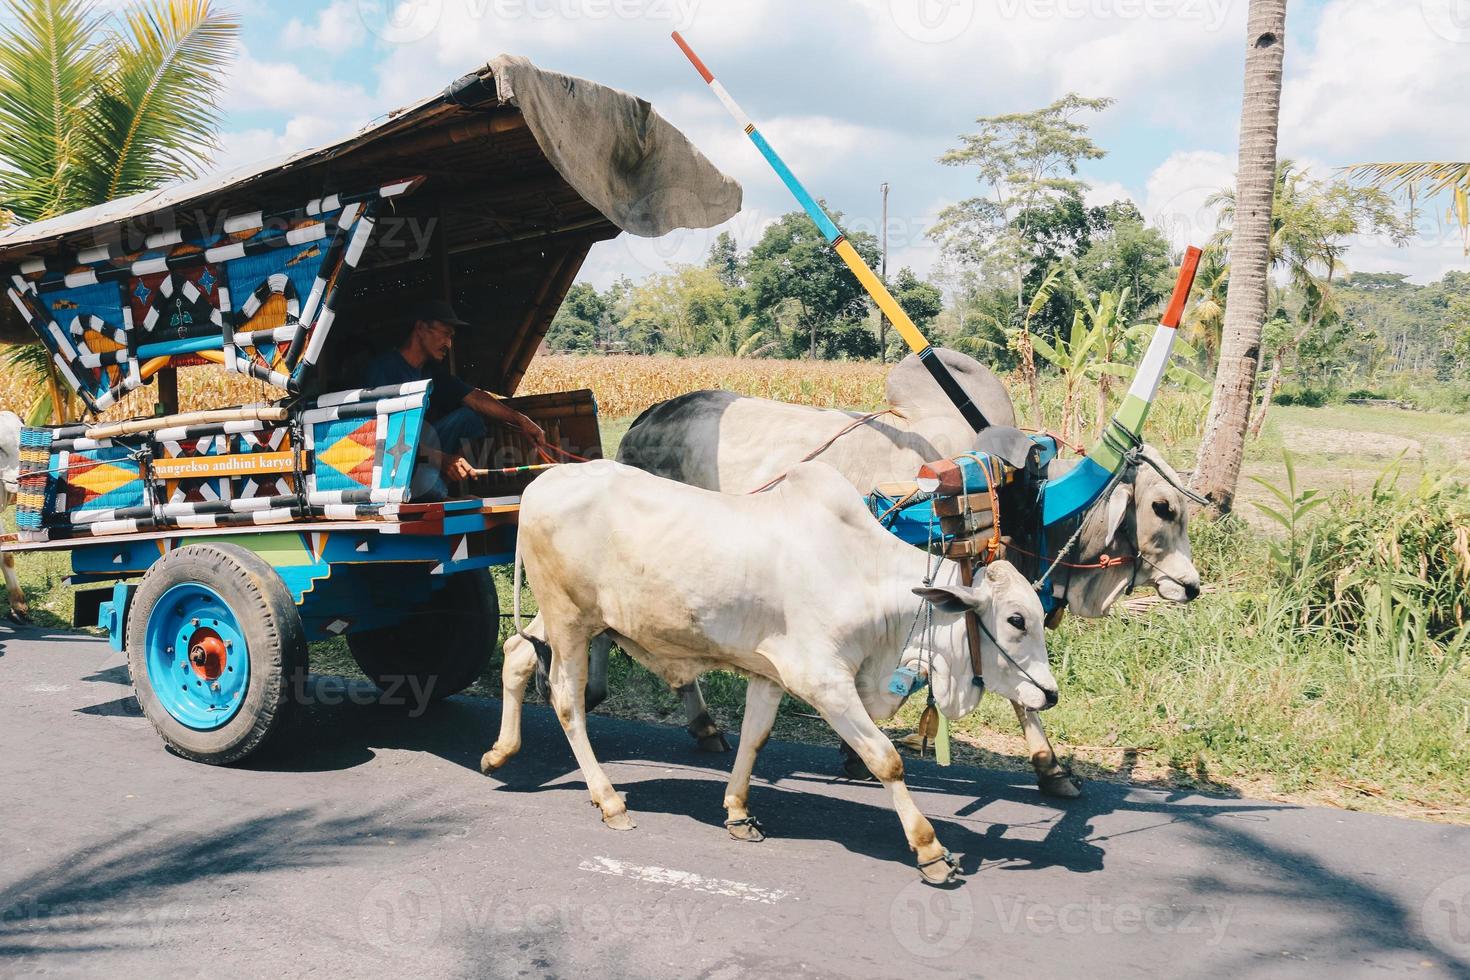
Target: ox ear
<point>1118,503</point>
<point>952,598</point>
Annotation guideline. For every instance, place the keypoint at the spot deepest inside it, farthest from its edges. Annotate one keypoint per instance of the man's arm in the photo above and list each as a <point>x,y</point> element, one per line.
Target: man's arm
<point>493,408</point>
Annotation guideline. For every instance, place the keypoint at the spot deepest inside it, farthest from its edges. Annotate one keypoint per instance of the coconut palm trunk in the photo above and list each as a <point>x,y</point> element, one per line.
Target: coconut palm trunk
<point>1217,469</point>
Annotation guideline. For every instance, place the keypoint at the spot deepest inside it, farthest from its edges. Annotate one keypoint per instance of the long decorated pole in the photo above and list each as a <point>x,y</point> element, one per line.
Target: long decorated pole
<point>870,282</point>
<point>1082,485</point>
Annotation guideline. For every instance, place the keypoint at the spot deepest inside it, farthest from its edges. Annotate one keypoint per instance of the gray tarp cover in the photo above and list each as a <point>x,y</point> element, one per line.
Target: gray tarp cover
<point>617,151</point>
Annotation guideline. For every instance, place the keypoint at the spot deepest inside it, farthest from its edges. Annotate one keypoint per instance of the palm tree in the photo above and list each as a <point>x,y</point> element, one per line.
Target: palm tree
<point>1310,225</point>
<point>94,107</point>
<point>1425,179</point>
<point>1217,469</point>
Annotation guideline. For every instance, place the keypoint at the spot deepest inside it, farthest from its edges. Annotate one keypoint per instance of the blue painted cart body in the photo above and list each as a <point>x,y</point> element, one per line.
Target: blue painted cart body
<point>344,577</point>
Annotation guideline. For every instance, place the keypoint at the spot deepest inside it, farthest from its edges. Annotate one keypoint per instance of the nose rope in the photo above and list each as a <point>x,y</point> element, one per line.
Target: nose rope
<point>1009,659</point>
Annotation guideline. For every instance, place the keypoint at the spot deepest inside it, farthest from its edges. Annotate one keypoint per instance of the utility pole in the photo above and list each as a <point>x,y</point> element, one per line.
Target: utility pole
<point>883,317</point>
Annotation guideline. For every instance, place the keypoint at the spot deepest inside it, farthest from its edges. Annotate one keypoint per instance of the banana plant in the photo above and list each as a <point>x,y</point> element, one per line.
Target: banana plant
<point>1089,349</point>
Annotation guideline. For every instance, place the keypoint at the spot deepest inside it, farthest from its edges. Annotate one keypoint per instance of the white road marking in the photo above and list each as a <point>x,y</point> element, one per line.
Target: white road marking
<point>46,688</point>
<point>684,879</point>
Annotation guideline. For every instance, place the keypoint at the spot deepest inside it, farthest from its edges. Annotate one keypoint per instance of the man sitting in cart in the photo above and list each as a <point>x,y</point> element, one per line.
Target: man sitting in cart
<point>457,411</point>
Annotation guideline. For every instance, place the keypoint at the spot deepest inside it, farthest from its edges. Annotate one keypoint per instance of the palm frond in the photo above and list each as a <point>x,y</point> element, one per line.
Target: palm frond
<point>155,115</point>
<point>48,63</point>
<point>1424,178</point>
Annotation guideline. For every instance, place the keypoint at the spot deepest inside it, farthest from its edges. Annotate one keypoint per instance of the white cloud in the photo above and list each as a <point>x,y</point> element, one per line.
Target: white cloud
<point>1104,192</point>
<point>1174,198</point>
<point>337,28</point>
<point>299,133</point>
<point>254,85</point>
<point>1379,81</point>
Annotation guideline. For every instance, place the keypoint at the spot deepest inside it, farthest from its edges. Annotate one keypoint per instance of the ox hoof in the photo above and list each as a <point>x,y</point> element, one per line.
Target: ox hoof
<point>1061,785</point>
<point>748,830</point>
<point>20,617</point>
<point>712,743</point>
<point>941,872</point>
<point>493,760</point>
<point>855,769</point>
<point>622,820</point>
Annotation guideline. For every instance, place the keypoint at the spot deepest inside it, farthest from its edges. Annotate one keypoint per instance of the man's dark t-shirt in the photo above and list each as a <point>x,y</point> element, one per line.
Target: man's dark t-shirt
<point>389,368</point>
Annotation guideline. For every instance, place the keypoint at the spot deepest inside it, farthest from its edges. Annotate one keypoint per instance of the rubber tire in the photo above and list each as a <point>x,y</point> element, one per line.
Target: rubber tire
<point>271,625</point>
<point>446,643</point>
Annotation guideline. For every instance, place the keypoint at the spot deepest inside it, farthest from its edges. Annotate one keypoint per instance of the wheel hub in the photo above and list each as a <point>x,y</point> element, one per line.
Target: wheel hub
<point>208,654</point>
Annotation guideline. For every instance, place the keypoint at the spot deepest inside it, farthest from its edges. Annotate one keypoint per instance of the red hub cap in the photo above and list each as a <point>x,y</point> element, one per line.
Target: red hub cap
<point>207,654</point>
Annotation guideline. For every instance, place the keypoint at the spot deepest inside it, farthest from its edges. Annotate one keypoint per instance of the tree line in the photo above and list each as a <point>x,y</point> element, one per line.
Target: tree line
<point>1034,278</point>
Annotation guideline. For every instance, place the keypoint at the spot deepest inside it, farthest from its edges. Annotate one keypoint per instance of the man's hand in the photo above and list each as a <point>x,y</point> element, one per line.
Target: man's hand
<point>456,467</point>
<point>531,430</point>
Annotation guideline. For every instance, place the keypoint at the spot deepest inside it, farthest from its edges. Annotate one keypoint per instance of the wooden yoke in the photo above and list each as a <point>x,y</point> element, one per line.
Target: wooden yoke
<point>964,517</point>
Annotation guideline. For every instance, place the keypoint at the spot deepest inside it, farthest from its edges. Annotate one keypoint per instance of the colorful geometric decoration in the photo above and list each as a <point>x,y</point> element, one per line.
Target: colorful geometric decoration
<point>130,313</point>
<point>181,304</point>
<point>347,453</point>
<point>358,458</point>
<point>36,484</point>
<point>199,490</point>
<point>103,479</point>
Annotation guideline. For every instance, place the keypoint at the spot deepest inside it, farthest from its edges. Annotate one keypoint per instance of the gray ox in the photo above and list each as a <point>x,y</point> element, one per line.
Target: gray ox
<point>798,589</point>
<point>10,425</point>
<point>722,441</point>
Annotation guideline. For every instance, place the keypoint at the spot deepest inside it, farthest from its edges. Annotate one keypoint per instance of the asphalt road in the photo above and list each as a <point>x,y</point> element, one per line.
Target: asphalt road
<point>377,848</point>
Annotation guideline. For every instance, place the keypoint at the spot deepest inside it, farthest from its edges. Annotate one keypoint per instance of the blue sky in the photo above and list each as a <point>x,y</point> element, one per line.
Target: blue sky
<point>857,92</point>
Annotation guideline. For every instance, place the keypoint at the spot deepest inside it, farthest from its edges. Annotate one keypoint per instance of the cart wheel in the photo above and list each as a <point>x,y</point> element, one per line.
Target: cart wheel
<point>438,649</point>
<point>213,640</point>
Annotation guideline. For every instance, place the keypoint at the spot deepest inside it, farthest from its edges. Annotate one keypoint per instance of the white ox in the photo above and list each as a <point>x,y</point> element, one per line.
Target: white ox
<point>722,441</point>
<point>9,473</point>
<point>798,589</point>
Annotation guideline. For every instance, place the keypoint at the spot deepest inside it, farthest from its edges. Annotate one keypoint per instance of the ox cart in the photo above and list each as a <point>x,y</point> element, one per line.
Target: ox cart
<point>213,545</point>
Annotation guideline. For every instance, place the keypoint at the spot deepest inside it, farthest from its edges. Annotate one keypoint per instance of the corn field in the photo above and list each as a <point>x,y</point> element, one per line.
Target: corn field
<point>626,385</point>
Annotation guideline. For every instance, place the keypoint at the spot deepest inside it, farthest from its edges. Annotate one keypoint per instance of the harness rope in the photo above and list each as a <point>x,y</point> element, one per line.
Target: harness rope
<point>856,424</point>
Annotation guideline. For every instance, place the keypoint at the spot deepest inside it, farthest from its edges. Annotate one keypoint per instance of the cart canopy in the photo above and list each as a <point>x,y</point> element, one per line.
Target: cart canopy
<point>490,193</point>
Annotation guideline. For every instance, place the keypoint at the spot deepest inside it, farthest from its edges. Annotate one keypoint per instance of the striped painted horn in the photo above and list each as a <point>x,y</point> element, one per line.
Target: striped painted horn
<point>870,282</point>
<point>1080,487</point>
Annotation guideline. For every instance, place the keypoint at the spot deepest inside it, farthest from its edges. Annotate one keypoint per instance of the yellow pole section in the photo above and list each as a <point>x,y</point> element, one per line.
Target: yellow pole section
<point>882,297</point>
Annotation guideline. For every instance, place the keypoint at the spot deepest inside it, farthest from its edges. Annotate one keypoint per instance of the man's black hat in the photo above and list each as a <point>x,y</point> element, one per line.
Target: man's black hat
<point>438,309</point>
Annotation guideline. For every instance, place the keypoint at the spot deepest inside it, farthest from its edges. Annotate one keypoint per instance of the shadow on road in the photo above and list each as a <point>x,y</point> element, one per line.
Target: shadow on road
<point>995,819</point>
<point>120,892</point>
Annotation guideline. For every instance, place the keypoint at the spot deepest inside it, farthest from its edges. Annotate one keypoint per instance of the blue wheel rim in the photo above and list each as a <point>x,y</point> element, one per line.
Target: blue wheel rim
<point>191,623</point>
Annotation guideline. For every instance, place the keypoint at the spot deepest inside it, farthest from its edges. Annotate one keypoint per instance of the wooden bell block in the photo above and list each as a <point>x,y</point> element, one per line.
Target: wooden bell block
<point>967,548</point>
<point>955,506</point>
<point>967,524</point>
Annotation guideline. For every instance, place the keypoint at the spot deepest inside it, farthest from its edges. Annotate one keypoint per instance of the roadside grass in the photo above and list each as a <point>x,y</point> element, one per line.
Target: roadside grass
<point>1239,692</point>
